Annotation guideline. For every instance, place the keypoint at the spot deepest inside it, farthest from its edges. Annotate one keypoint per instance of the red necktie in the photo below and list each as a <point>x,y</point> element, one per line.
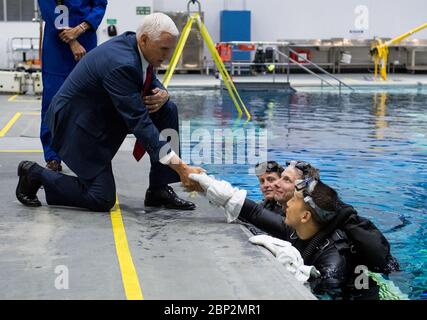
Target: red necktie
<point>138,149</point>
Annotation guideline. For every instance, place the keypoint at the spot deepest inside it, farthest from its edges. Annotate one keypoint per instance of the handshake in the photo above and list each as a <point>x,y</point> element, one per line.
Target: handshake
<point>221,194</point>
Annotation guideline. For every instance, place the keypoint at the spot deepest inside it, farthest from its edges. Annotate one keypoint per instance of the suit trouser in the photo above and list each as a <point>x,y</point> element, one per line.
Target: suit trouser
<point>51,85</point>
<point>165,118</point>
<point>99,193</point>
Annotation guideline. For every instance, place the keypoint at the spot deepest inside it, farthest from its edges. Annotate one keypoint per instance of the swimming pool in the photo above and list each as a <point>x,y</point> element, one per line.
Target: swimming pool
<point>369,145</point>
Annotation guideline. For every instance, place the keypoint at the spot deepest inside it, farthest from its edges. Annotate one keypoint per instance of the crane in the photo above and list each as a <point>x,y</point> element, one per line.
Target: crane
<point>379,50</point>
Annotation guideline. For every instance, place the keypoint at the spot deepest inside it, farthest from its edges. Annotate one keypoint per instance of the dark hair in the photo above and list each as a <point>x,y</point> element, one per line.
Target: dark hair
<point>307,170</point>
<point>313,172</point>
<point>325,198</point>
<point>268,167</point>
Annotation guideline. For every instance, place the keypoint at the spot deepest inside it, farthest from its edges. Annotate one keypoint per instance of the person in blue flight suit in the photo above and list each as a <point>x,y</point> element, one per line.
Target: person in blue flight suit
<point>106,97</point>
<point>63,47</point>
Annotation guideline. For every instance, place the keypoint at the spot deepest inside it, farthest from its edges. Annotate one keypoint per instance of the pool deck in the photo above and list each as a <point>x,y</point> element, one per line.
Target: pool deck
<point>304,81</point>
<point>134,252</point>
<point>131,252</point>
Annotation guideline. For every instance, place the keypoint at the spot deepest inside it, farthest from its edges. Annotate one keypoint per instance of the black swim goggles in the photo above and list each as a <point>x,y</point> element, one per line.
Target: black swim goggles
<point>268,167</point>
<point>306,186</point>
<point>300,165</point>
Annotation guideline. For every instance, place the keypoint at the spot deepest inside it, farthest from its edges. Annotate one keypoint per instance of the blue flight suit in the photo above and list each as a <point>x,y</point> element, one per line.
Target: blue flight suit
<point>57,58</point>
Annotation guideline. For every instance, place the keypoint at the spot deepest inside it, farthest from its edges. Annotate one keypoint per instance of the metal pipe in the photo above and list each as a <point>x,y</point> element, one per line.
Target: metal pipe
<point>288,71</point>
<point>306,69</point>
<point>319,68</point>
<point>194,2</point>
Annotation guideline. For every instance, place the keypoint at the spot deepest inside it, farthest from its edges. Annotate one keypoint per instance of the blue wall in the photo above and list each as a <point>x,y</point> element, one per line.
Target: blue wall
<point>236,26</point>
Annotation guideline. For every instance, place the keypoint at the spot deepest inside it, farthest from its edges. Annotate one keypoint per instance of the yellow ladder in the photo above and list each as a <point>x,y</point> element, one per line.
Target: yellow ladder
<point>217,59</point>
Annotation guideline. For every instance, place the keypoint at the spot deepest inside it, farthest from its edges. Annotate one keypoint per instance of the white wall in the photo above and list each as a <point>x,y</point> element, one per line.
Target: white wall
<point>271,19</point>
<point>313,19</point>
<point>15,29</point>
<point>125,13</point>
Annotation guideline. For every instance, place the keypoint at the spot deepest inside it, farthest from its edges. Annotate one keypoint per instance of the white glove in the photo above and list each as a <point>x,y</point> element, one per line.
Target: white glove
<point>287,255</point>
<point>222,194</point>
<point>266,239</point>
<point>218,192</point>
<point>203,179</point>
<point>234,205</point>
<point>269,242</point>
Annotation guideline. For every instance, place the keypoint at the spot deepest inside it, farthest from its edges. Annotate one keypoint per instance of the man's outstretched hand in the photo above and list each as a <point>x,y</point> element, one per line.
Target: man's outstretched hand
<point>189,184</point>
<point>184,171</point>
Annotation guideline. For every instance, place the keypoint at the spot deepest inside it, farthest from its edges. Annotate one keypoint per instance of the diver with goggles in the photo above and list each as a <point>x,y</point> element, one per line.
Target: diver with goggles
<point>313,222</point>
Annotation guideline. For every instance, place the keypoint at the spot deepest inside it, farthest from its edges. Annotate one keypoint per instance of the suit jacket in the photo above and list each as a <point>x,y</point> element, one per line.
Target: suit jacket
<point>57,57</point>
<point>99,104</point>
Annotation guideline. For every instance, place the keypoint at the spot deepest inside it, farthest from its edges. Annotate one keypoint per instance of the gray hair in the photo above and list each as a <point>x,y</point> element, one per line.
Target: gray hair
<point>154,24</point>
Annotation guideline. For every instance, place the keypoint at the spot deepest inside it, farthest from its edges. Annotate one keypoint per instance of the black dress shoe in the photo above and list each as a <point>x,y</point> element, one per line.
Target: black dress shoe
<point>166,197</point>
<point>26,191</point>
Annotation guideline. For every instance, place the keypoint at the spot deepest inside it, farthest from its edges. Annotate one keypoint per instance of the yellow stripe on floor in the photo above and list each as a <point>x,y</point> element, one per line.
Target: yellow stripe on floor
<point>10,124</point>
<point>127,268</point>
<point>14,99</point>
<point>25,101</point>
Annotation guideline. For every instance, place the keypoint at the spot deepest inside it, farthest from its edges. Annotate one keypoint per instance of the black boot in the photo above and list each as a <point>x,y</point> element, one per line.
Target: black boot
<point>26,191</point>
<point>166,197</point>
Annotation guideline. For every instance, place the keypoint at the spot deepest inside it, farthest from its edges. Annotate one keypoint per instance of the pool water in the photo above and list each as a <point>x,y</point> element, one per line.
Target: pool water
<point>371,146</point>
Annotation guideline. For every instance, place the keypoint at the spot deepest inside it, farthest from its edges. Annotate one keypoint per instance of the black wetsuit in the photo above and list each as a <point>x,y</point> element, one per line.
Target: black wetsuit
<point>332,258</point>
<point>270,205</point>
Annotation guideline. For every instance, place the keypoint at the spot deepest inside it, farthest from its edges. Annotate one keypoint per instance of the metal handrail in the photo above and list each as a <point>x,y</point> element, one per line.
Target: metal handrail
<point>314,74</point>
<point>319,68</point>
<point>286,44</point>
<point>308,70</point>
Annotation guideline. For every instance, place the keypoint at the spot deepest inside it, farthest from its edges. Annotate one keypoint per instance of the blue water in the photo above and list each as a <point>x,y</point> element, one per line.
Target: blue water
<point>371,146</point>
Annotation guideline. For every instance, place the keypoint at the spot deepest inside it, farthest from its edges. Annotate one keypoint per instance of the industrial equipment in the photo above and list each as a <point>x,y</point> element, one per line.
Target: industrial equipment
<point>228,82</point>
<point>379,50</point>
<point>12,82</point>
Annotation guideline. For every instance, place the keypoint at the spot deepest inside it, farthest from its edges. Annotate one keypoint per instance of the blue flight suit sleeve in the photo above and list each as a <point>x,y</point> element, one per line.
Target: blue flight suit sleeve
<point>96,14</point>
<point>47,10</point>
<point>126,97</point>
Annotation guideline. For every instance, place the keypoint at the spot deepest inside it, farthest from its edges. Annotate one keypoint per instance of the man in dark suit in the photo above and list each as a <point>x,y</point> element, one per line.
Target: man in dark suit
<point>97,106</point>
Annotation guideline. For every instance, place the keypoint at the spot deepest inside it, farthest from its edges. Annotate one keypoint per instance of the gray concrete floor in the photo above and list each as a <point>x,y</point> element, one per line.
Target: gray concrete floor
<point>176,254</point>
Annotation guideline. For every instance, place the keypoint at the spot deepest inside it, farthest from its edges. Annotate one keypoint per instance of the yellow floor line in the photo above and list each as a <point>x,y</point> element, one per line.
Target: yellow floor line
<point>25,101</point>
<point>127,268</point>
<point>10,124</point>
<point>21,151</point>
<point>13,99</point>
<point>29,113</point>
